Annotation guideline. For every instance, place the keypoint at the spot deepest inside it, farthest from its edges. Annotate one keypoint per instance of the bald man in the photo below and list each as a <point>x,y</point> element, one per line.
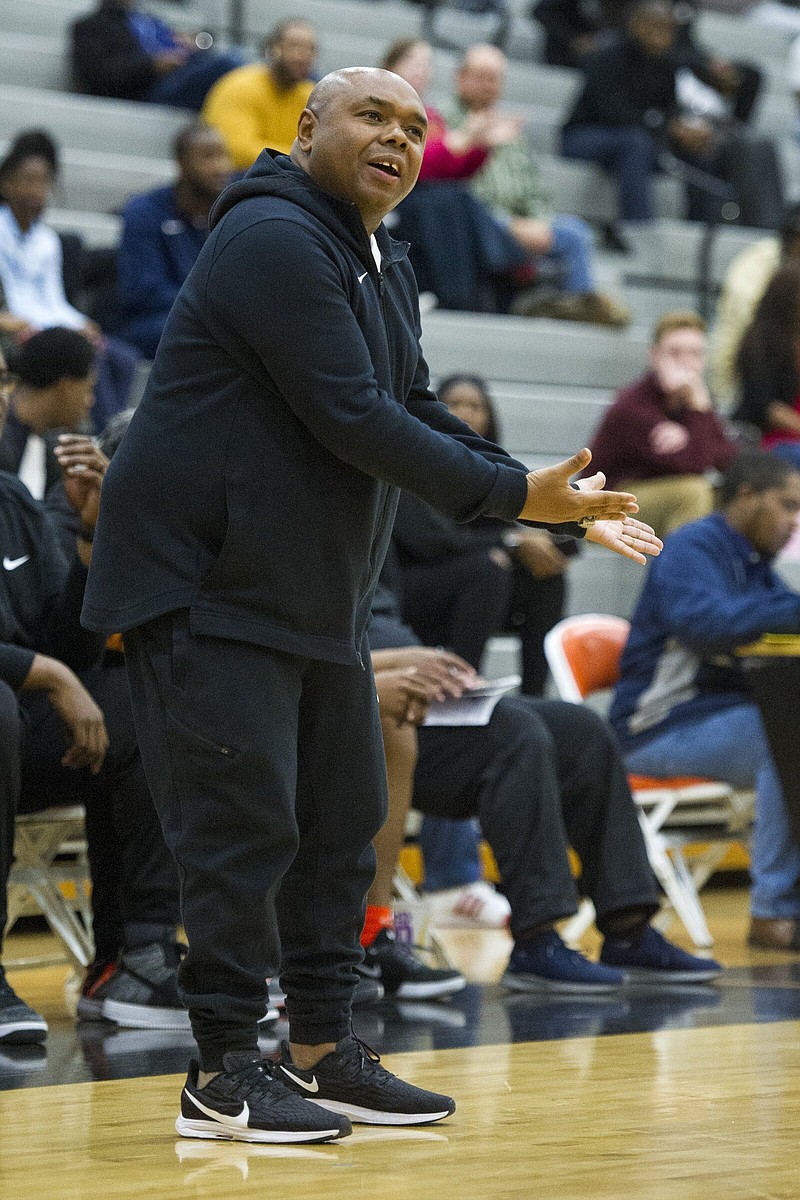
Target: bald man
<point>244,525</point>
<point>509,183</point>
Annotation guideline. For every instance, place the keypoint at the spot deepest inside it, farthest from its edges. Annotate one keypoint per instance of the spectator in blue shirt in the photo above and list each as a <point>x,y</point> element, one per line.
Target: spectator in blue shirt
<point>682,706</point>
<point>122,52</point>
<point>164,231</point>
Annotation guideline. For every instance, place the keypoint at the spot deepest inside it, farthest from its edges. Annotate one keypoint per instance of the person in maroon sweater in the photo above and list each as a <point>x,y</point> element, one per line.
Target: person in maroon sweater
<point>663,432</point>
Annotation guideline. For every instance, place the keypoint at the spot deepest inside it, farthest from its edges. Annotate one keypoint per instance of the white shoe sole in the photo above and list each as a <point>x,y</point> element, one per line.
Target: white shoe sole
<point>371,1116</point>
<point>22,1032</point>
<point>427,991</point>
<point>145,1016</point>
<point>223,1133</point>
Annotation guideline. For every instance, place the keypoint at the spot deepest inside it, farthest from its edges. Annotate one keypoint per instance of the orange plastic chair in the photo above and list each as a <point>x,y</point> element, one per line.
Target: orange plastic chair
<point>584,654</point>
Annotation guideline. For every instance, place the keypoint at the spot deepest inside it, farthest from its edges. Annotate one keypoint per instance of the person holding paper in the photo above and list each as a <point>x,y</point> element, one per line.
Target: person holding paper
<point>541,775</point>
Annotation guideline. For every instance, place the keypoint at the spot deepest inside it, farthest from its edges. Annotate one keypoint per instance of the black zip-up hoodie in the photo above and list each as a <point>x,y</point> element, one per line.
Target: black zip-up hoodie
<point>289,399</point>
<point>41,590</point>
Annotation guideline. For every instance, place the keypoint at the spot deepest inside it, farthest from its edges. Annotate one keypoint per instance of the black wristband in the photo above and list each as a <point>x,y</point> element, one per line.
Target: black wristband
<point>86,535</point>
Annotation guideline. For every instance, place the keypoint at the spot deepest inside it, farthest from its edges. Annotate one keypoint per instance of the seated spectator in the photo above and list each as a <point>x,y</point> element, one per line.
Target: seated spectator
<point>31,274</point>
<point>163,232</point>
<point>508,183</point>
<point>461,584</point>
<point>743,286</point>
<point>122,52</point>
<point>259,105</point>
<point>459,251</point>
<point>540,776</point>
<point>768,369</point>
<point>574,30</point>
<point>683,706</point>
<point>55,375</point>
<point>662,432</point>
<point>629,114</point>
<point>577,29</point>
<point>79,747</point>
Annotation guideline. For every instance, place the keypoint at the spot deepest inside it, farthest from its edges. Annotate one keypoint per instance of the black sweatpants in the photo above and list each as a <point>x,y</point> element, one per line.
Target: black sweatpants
<point>541,776</point>
<point>267,770</point>
<point>134,880</point>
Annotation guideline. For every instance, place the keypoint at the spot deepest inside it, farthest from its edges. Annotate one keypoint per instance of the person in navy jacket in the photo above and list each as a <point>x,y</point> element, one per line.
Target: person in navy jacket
<point>248,513</point>
<point>683,705</point>
<point>163,231</point>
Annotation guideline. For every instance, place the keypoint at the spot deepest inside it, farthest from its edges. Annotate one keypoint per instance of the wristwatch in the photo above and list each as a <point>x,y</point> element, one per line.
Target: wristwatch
<point>587,522</point>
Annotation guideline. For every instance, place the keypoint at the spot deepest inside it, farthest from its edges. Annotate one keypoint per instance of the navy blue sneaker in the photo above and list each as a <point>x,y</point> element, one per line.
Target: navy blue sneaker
<point>650,958</point>
<point>545,964</point>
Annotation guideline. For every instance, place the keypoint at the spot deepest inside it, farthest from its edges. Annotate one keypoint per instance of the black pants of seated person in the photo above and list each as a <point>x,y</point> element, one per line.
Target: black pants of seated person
<point>135,891</point>
<point>541,776</point>
<point>462,601</point>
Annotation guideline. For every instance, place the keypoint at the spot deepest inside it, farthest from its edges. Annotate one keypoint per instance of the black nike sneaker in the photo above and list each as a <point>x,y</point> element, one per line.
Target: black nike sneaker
<point>350,1080</point>
<point>405,976</point>
<point>247,1103</point>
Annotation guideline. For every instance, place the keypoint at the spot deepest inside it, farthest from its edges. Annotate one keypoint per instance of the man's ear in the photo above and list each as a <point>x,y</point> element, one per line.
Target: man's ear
<point>305,129</point>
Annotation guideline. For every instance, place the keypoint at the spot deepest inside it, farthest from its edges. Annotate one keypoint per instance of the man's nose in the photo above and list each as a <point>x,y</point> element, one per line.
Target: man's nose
<point>396,135</point>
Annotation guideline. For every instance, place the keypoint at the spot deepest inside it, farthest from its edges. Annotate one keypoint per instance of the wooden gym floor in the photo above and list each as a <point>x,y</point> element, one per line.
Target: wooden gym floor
<point>688,1094</point>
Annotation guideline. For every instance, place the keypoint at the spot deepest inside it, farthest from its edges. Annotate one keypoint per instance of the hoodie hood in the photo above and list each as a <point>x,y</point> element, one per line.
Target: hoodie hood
<point>274,174</point>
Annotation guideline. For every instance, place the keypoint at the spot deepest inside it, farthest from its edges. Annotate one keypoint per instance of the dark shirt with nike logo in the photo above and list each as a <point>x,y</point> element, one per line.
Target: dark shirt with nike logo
<point>40,591</point>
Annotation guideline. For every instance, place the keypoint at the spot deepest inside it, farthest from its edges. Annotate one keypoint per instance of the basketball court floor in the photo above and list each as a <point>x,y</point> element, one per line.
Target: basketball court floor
<point>691,1093</point>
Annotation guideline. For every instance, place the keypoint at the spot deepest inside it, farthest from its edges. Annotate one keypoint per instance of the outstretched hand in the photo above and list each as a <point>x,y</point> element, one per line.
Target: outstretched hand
<point>629,537</point>
<point>553,501</point>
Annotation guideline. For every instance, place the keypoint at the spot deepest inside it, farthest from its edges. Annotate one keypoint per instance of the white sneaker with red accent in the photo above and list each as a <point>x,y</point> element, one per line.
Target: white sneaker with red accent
<point>474,906</point>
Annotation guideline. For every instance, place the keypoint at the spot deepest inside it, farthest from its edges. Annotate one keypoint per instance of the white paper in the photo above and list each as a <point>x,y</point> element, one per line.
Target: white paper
<point>475,707</point>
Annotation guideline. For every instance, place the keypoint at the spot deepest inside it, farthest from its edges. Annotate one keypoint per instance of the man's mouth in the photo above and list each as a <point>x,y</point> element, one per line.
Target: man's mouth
<point>387,167</point>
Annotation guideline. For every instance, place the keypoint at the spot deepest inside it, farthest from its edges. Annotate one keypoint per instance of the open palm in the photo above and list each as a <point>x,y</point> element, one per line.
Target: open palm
<point>630,538</point>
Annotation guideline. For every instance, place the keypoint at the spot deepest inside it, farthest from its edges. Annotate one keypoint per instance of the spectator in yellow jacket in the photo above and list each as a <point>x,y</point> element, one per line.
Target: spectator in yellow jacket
<point>259,105</point>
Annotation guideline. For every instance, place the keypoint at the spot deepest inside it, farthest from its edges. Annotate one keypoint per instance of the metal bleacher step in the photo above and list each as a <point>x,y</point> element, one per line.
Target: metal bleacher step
<point>519,350</point>
<point>119,127</point>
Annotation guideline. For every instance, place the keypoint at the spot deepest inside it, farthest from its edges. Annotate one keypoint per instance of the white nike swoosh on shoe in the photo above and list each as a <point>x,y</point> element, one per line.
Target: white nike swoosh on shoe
<point>239,1122</point>
<point>361,278</point>
<point>369,972</point>
<point>309,1087</point>
<point>11,564</point>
